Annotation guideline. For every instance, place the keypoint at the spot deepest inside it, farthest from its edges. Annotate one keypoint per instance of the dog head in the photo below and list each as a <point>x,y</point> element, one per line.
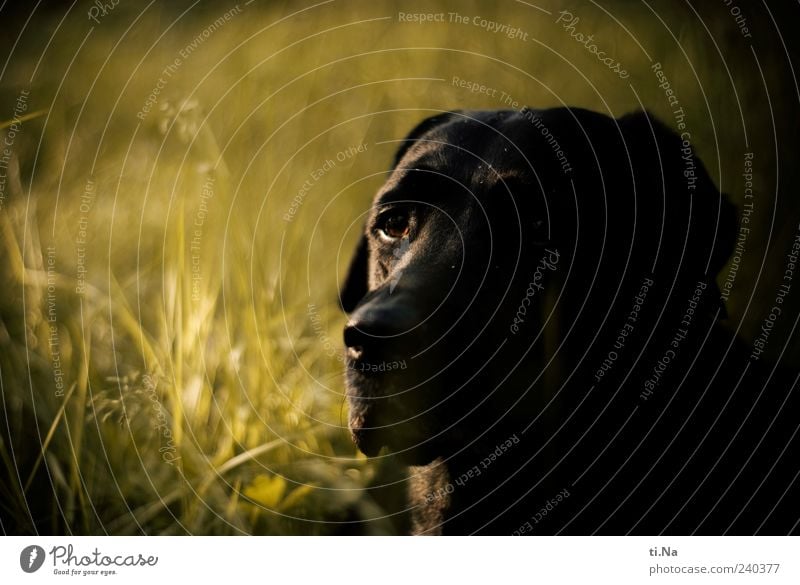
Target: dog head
<point>499,240</point>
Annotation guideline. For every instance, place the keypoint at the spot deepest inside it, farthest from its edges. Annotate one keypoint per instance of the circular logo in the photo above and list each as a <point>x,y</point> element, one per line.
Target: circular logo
<point>31,558</point>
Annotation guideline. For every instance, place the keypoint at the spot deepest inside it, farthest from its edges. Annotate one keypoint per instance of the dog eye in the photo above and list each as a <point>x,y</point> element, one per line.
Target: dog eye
<point>395,227</point>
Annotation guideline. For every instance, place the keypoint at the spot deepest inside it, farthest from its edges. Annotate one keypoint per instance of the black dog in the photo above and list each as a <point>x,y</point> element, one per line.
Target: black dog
<point>534,329</point>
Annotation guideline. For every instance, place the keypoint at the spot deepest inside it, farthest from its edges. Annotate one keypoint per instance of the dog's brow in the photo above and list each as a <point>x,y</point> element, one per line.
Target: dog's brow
<point>420,171</point>
<point>417,184</point>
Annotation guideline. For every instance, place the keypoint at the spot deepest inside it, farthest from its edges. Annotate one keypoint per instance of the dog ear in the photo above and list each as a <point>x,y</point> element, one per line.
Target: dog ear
<point>355,283</point>
<point>419,130</point>
<point>695,224</point>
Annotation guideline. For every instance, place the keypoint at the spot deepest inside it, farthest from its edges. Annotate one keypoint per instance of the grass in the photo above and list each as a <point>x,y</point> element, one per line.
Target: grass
<point>200,389</point>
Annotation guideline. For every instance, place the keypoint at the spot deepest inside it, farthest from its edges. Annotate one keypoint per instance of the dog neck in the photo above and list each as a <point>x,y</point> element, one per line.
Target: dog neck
<point>525,460</point>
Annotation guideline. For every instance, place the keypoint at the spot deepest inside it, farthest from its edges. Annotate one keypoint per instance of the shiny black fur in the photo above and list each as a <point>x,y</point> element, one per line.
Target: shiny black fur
<point>533,236</point>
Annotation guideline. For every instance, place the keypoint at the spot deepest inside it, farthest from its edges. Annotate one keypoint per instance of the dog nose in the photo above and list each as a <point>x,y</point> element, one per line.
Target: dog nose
<point>379,329</point>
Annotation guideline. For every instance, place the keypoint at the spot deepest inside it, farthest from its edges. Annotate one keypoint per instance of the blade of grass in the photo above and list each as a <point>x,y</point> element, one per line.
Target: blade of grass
<point>49,437</point>
<point>24,118</point>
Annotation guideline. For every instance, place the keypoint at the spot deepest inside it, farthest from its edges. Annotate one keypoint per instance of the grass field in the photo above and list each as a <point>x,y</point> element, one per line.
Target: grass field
<point>184,186</point>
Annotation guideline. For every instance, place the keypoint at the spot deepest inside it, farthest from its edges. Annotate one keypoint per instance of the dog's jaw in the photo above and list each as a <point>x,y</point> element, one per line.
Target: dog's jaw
<point>365,435</point>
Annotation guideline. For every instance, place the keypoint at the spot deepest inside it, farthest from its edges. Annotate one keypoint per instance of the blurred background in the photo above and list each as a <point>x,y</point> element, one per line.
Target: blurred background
<point>181,186</point>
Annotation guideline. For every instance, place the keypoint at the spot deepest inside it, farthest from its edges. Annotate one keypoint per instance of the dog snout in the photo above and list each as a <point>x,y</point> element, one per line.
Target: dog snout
<point>381,330</point>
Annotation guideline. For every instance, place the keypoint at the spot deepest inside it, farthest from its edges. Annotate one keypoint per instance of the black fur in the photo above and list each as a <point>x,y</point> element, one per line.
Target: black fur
<point>481,343</point>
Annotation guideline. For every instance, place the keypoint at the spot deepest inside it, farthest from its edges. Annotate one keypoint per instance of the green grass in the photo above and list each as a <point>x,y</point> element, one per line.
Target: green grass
<point>215,405</point>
